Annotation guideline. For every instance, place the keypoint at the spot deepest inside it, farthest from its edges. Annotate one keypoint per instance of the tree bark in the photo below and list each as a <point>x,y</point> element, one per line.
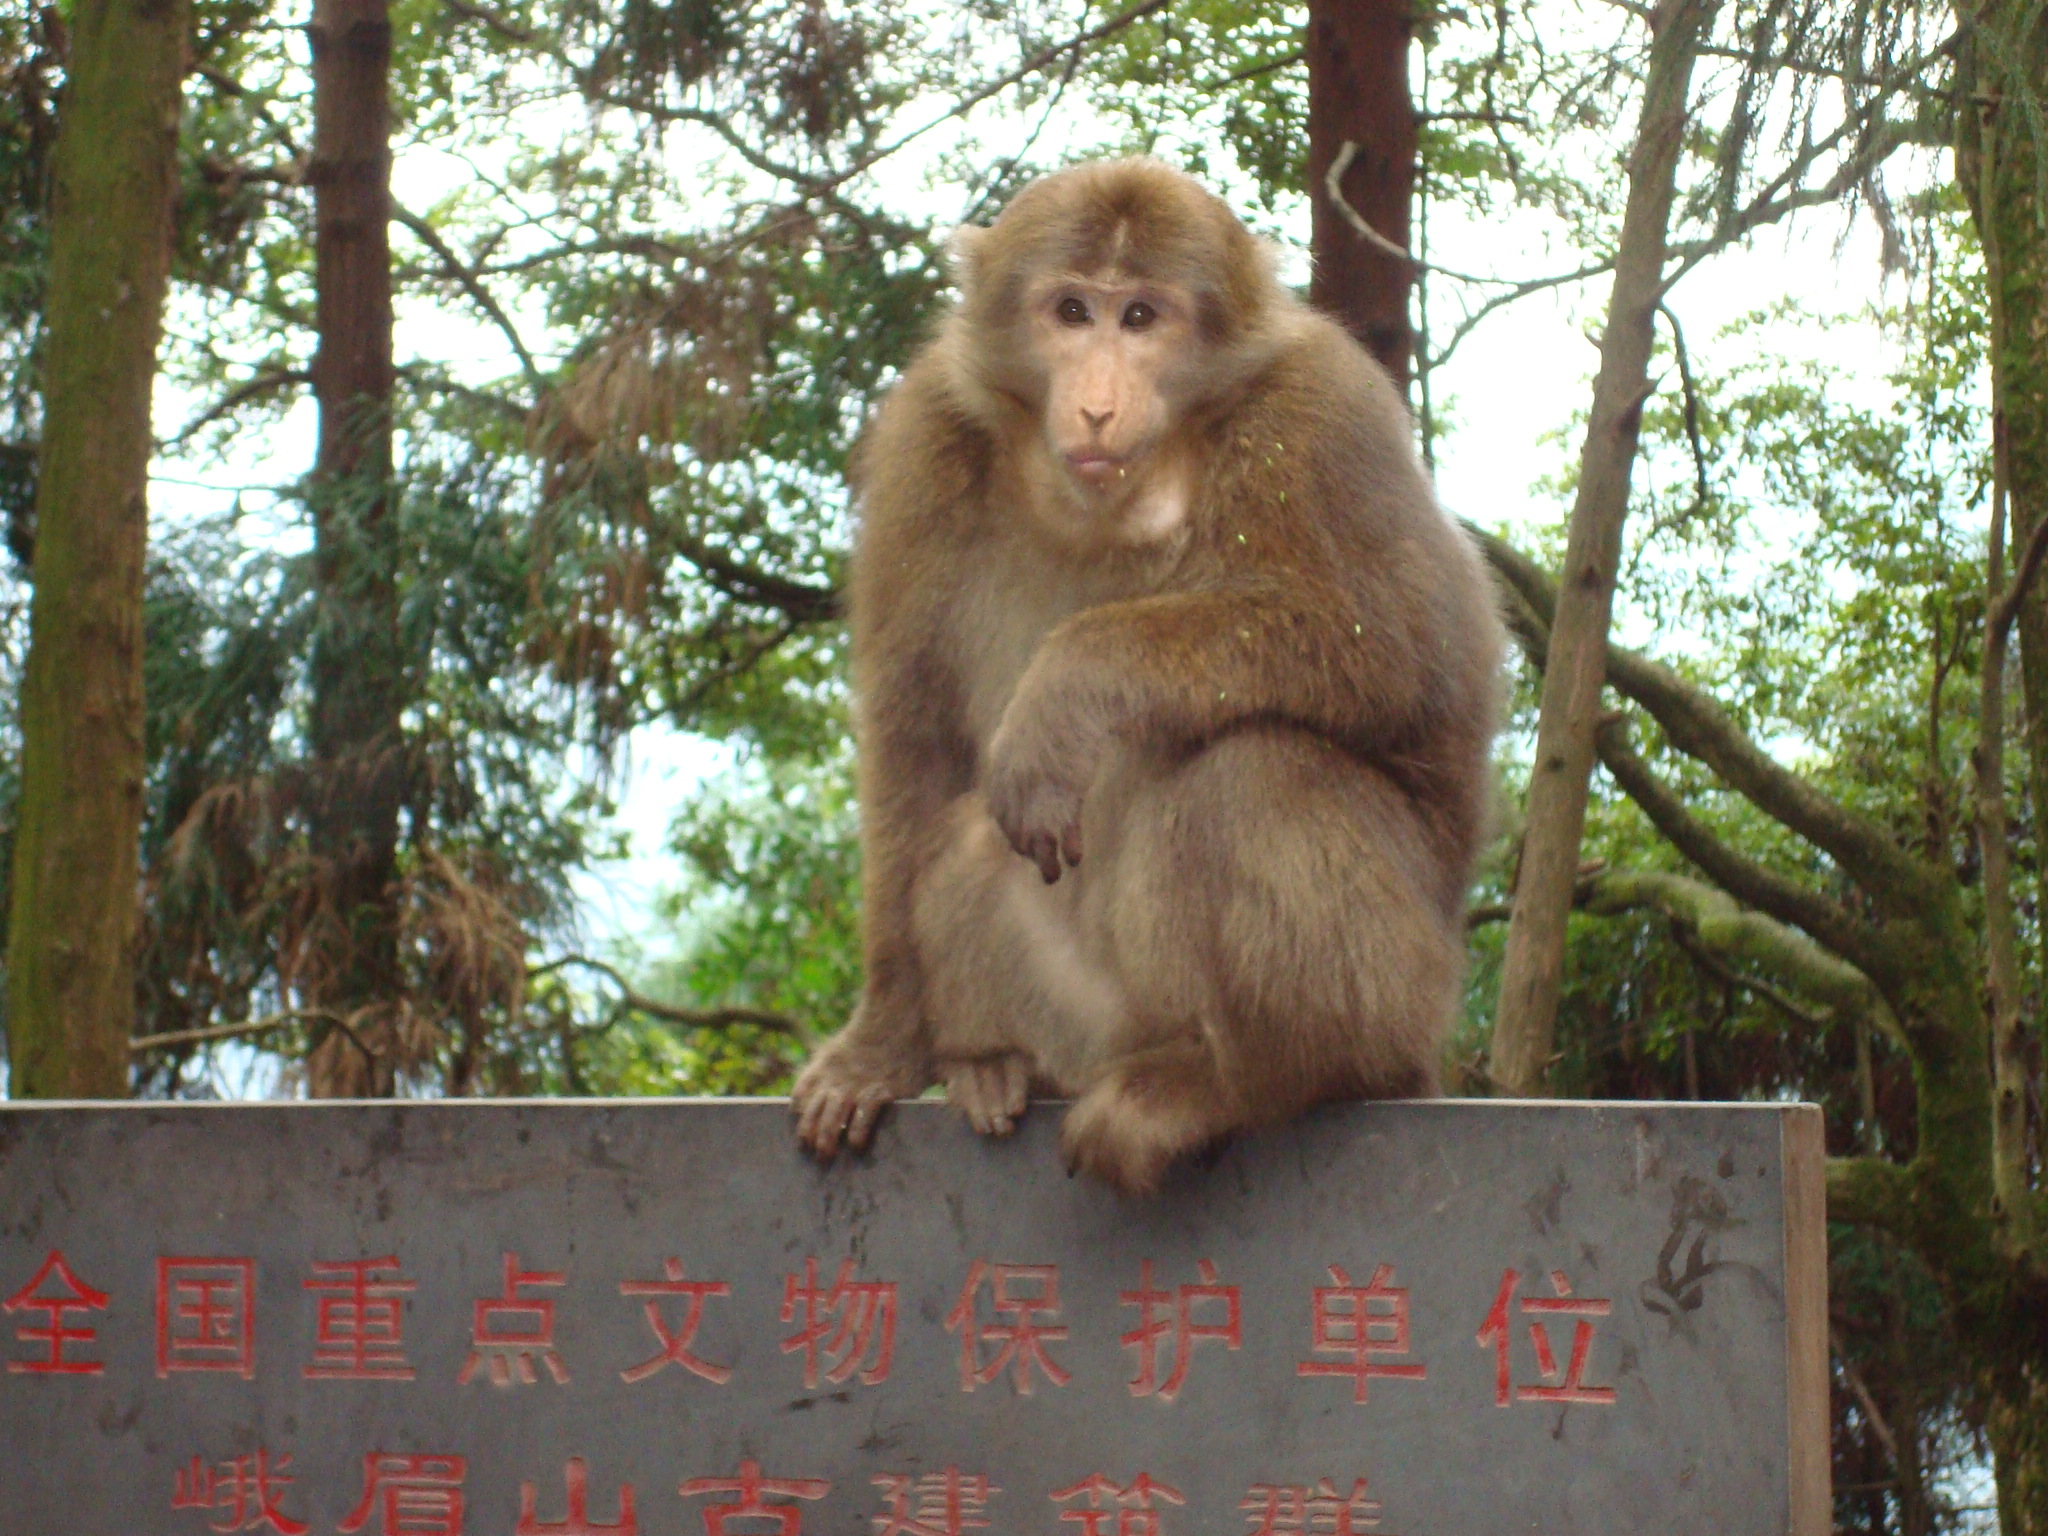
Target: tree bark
<point>1999,165</point>
<point>1358,96</point>
<point>350,963</point>
<point>2017,1426</point>
<point>71,933</point>
<point>1532,969</point>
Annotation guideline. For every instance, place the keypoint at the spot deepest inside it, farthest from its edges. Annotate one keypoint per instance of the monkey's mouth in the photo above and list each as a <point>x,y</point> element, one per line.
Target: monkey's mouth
<point>1095,467</point>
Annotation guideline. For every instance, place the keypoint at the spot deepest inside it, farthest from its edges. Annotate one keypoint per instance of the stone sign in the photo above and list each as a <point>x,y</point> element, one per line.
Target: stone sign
<point>606,1319</point>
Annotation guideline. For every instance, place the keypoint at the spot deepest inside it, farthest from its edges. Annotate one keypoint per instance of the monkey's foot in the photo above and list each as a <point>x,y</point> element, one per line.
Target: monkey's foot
<point>990,1091</point>
<point>841,1093</point>
<point>1143,1117</point>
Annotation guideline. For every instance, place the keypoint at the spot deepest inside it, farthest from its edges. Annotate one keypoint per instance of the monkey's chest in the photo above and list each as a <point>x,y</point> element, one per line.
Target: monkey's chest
<point>1001,620</point>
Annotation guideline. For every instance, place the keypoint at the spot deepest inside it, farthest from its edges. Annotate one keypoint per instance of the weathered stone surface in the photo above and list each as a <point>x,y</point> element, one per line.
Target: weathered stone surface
<point>211,1328</point>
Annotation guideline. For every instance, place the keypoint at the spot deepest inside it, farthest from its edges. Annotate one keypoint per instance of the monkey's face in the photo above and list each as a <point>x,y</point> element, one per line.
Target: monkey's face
<point>1116,356</point>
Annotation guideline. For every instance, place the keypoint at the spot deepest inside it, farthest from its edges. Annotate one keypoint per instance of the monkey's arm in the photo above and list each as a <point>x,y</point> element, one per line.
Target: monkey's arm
<point>1369,671</point>
<point>912,766</point>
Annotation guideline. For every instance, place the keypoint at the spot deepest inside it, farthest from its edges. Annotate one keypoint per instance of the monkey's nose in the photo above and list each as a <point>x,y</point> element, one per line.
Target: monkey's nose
<point>1096,421</point>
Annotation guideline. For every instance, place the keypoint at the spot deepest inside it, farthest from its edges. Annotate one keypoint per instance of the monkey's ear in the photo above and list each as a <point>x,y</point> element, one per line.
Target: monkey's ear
<point>963,255</point>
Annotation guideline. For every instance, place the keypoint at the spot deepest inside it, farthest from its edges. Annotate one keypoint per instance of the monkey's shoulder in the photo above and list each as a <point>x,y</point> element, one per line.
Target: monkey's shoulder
<point>923,455</point>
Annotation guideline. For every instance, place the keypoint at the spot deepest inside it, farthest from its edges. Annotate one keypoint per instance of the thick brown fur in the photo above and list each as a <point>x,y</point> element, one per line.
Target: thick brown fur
<point>1172,743</point>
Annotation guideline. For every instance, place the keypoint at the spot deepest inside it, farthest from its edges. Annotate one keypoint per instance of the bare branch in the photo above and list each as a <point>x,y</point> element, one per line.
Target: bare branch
<point>260,1026</point>
<point>2008,605</point>
<point>250,389</point>
<point>1864,1400</point>
<point>472,285</point>
<point>669,1013</point>
<point>798,601</point>
<point>1253,71</point>
<point>1037,63</point>
<point>503,25</point>
<point>1691,397</point>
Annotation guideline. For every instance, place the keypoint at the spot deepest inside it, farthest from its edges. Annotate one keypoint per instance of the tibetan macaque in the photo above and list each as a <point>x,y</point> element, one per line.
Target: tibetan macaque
<point>1174,694</point>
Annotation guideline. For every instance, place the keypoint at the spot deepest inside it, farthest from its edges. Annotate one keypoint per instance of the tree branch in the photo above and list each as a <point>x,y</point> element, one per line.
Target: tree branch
<point>1724,928</point>
<point>260,1026</point>
<point>472,285</point>
<point>669,1013</point>
<point>2008,606</point>
<point>1697,725</point>
<point>796,600</point>
<point>262,384</point>
<point>1754,884</point>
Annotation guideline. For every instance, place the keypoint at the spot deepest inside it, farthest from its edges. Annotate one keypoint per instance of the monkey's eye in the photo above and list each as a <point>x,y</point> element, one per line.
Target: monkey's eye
<point>1138,314</point>
<point>1072,311</point>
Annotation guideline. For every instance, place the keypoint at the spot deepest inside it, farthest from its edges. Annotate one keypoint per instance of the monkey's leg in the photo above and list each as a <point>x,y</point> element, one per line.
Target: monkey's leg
<point>1147,1110</point>
<point>1267,903</point>
<point>1014,997</point>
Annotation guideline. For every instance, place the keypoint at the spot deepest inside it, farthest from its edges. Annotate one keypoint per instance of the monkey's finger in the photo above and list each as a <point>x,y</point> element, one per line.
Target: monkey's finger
<point>1046,853</point>
<point>867,1109</point>
<point>1070,843</point>
<point>1016,1085</point>
<point>827,1120</point>
<point>975,1099</point>
<point>995,1094</point>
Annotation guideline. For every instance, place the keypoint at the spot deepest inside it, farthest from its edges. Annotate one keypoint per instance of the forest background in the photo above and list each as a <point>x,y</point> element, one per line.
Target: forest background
<point>414,413</point>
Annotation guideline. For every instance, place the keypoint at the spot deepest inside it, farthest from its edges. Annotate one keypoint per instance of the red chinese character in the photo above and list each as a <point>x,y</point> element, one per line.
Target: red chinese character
<point>1131,1506</point>
<point>752,1487</point>
<point>1021,1340</point>
<point>675,1346</point>
<point>205,1315</point>
<point>361,1321</point>
<point>842,1320</point>
<point>1280,1510</point>
<point>414,1495</point>
<point>1568,1386</point>
<point>508,1331</point>
<point>75,1296</point>
<point>1360,1321</point>
<point>937,1504</point>
<point>245,1491</point>
<point>1171,1314</point>
<point>577,1522</point>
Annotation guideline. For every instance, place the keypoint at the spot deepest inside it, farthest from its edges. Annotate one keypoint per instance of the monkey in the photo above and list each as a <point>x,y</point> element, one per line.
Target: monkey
<point>1174,691</point>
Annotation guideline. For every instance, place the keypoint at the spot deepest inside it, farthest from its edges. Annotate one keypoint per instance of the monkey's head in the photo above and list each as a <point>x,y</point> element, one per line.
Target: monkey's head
<point>1110,301</point>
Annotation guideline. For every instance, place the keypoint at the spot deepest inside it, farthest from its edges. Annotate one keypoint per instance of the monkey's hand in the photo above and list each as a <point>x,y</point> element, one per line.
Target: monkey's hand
<point>1039,770</point>
<point>846,1085</point>
<point>990,1091</point>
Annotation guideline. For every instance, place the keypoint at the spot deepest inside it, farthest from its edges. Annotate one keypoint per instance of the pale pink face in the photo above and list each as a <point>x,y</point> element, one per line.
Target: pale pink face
<point>1116,353</point>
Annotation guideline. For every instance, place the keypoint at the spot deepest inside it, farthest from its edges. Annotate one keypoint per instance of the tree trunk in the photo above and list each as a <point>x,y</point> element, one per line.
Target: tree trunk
<point>1534,963</point>
<point>71,933</point>
<point>1999,167</point>
<point>350,966</point>
<point>2017,1426</point>
<point>1358,97</point>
